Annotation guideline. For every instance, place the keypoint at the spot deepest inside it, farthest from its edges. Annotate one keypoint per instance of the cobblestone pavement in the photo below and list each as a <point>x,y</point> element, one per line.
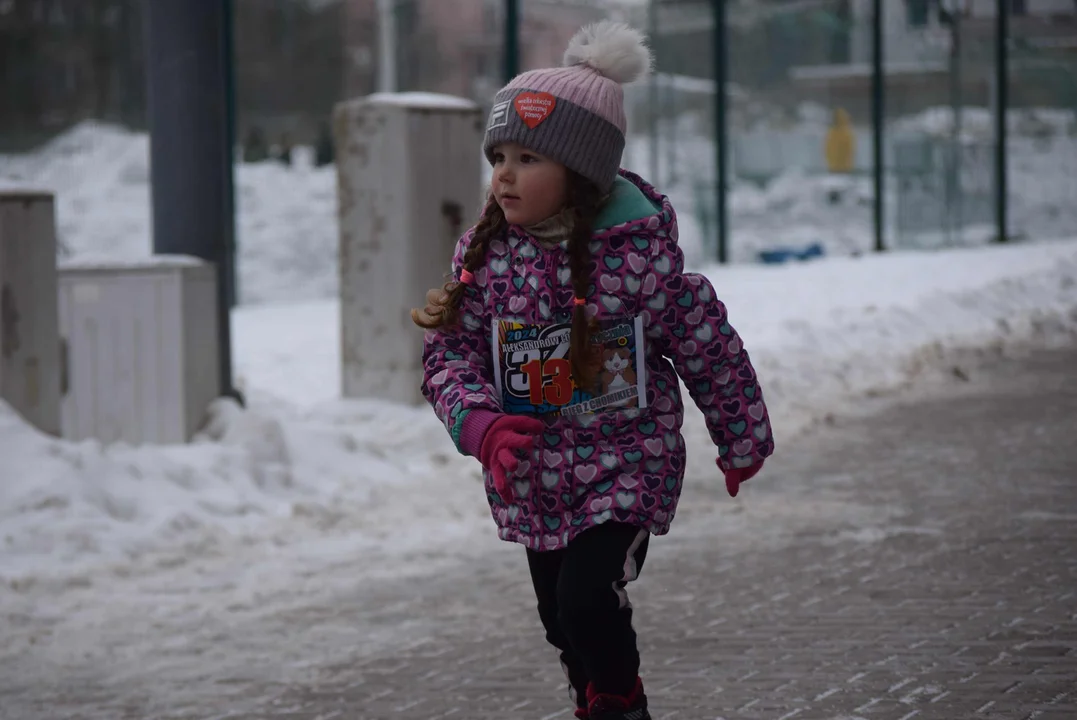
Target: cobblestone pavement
<point>916,561</point>
<point>925,567</point>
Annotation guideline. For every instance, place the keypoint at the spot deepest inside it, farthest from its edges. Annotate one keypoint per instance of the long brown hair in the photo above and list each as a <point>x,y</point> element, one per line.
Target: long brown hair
<point>584,202</point>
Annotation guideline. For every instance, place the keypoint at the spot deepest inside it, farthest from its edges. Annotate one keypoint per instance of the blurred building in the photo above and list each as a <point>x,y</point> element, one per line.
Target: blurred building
<point>918,31</point>
<point>927,43</point>
<point>784,52</point>
<point>456,47</point>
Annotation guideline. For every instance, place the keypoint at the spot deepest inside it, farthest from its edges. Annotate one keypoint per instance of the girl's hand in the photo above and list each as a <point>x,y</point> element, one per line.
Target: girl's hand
<point>435,301</point>
<point>507,436</point>
<point>736,476</point>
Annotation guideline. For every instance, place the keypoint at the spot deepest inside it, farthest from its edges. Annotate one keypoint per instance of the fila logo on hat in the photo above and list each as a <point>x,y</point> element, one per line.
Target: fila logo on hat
<point>499,115</point>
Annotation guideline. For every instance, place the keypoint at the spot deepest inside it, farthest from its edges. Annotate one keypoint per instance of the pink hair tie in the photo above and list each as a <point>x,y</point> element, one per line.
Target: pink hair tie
<point>467,277</point>
<point>579,301</point>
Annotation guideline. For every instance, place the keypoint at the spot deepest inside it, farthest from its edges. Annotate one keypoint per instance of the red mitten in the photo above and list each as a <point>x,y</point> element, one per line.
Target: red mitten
<point>736,476</point>
<point>507,435</point>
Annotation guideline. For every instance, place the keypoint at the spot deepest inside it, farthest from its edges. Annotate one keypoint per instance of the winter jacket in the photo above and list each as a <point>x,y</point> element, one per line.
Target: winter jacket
<point>616,454</point>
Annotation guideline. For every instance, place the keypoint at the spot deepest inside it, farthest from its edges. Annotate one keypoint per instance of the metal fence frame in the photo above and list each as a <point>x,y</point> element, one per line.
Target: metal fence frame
<point>949,156</point>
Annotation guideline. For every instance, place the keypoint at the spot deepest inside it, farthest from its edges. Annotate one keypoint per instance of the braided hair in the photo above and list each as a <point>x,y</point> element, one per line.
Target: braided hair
<point>491,225</point>
<point>583,204</point>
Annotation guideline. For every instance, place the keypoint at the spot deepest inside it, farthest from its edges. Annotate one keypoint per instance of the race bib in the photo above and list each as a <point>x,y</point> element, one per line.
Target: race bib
<point>534,374</point>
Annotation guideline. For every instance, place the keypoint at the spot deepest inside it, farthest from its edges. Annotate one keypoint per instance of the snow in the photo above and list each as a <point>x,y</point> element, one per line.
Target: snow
<point>306,477</point>
<point>91,262</point>
<point>848,70</point>
<point>286,226</point>
<point>800,204</point>
<point>302,463</point>
<point>423,100</point>
<point>192,566</point>
<point>285,216</point>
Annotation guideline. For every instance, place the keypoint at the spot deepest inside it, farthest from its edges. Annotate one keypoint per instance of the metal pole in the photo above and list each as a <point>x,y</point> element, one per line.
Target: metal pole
<point>877,124</point>
<point>954,204</point>
<point>669,103</point>
<point>721,133</point>
<point>512,39</point>
<point>652,88</point>
<point>190,144</point>
<point>1002,101</point>
<point>387,46</point>
<point>231,297</point>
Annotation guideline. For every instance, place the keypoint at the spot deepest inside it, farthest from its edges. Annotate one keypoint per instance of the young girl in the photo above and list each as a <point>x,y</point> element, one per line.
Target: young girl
<point>554,353</point>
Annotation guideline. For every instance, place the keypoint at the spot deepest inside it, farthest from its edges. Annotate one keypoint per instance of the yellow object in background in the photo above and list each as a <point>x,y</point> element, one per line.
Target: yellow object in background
<point>840,143</point>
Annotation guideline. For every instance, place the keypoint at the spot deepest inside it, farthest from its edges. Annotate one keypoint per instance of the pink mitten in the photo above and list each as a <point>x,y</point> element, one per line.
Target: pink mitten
<point>504,438</point>
<point>736,476</point>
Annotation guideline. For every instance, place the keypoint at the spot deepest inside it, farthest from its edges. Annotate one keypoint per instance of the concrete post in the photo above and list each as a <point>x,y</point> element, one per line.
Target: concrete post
<point>408,184</point>
<point>31,361</point>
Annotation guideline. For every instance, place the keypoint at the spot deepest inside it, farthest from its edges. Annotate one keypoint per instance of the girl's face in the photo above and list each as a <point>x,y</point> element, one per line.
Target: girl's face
<point>529,187</point>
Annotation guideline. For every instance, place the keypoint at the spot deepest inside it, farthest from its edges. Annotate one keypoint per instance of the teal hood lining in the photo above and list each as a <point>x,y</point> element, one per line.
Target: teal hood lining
<point>626,203</point>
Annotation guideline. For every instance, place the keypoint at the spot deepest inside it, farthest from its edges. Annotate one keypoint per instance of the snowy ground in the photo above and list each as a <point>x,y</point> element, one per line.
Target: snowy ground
<point>302,471</point>
<point>303,463</point>
<point>304,629</point>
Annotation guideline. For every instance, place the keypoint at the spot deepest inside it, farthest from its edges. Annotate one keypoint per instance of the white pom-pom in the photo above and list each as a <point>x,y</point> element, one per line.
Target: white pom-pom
<point>615,50</point>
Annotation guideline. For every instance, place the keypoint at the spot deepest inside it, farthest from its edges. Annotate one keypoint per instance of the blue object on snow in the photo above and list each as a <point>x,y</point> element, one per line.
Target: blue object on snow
<point>775,257</point>
<point>780,255</point>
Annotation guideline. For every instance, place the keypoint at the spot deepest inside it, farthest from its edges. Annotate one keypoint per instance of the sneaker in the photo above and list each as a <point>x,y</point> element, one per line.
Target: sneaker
<point>601,706</point>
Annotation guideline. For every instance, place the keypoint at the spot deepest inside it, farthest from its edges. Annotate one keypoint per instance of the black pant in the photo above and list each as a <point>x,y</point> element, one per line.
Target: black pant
<point>584,607</point>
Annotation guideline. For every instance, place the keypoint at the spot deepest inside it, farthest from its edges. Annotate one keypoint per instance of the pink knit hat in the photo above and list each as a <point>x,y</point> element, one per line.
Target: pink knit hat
<point>574,114</point>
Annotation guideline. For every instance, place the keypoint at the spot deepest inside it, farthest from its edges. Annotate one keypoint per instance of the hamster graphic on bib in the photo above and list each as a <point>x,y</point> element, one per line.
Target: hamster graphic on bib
<point>534,374</point>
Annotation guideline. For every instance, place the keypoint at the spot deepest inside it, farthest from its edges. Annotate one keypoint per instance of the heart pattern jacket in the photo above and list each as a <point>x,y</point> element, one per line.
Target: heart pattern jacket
<point>623,461</point>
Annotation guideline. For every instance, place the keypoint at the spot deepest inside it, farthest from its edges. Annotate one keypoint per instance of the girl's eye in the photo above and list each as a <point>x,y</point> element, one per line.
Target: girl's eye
<point>525,158</point>
<point>499,158</point>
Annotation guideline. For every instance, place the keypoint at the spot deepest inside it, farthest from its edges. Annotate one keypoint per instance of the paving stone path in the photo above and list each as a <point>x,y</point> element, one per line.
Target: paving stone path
<point>916,561</point>
<point>959,601</point>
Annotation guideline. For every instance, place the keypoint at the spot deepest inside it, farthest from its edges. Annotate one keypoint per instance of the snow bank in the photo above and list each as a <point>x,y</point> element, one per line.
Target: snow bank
<point>71,512</point>
<point>286,230</point>
<point>825,334</point>
<point>369,476</point>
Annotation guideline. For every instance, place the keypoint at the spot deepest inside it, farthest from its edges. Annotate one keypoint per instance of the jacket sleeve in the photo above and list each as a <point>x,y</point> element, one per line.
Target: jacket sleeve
<point>689,326</point>
<point>457,363</point>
